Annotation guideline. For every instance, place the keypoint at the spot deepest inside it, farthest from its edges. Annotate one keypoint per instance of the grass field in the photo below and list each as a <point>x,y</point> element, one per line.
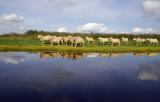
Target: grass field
<point>35,45</point>
<point>31,43</point>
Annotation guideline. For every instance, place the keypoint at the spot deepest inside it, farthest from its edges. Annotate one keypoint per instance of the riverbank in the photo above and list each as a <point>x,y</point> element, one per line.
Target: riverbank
<point>79,49</point>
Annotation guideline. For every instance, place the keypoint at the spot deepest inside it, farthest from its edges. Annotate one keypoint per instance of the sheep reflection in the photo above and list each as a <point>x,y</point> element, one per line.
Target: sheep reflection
<point>151,54</point>
<point>66,55</point>
<point>148,54</point>
<point>139,54</point>
<point>75,56</point>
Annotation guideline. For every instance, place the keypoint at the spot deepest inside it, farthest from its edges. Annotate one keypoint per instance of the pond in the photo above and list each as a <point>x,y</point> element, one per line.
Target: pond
<point>79,77</point>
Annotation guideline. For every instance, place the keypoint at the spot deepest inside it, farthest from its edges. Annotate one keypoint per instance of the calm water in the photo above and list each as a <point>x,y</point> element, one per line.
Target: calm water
<point>79,77</point>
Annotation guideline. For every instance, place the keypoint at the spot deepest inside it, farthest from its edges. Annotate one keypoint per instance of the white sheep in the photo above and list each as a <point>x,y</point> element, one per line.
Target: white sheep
<point>139,40</point>
<point>90,40</point>
<point>115,41</point>
<point>103,40</point>
<point>70,40</point>
<point>78,40</point>
<point>152,41</point>
<point>44,38</point>
<point>56,40</point>
<point>124,40</point>
<point>64,40</point>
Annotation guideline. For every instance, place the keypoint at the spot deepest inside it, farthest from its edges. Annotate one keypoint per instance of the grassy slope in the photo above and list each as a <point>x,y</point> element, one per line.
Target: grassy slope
<point>35,45</point>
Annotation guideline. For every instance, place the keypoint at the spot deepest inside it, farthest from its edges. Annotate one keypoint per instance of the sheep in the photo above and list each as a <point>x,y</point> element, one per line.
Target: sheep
<point>152,41</point>
<point>115,41</point>
<point>78,40</point>
<point>44,38</point>
<point>56,40</point>
<point>124,40</point>
<point>103,40</point>
<point>139,40</point>
<point>70,40</point>
<point>64,40</point>
<point>90,40</point>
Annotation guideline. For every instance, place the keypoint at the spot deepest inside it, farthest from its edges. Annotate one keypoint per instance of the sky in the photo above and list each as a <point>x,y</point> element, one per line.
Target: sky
<point>102,16</point>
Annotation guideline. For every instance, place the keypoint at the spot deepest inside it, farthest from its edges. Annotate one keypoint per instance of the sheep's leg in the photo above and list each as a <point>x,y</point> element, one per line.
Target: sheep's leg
<point>51,43</point>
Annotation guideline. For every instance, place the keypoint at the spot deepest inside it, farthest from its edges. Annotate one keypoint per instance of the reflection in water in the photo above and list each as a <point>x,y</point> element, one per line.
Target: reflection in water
<point>91,55</point>
<point>66,55</point>
<point>12,58</point>
<point>151,54</point>
<point>139,54</point>
<point>17,57</point>
<point>149,72</point>
<point>74,56</point>
<point>94,77</point>
<point>148,54</point>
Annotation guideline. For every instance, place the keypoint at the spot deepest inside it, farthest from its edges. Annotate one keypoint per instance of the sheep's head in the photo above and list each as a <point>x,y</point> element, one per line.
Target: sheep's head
<point>110,38</point>
<point>134,38</point>
<point>39,36</point>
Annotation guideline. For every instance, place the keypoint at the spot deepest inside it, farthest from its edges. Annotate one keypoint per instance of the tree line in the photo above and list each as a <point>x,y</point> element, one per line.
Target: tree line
<point>32,34</point>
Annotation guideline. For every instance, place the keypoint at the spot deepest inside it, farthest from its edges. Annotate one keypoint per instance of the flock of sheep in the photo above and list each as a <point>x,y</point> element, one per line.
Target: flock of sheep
<point>79,41</point>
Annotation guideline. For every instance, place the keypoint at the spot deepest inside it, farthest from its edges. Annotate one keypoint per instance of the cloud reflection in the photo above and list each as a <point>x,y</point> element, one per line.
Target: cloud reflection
<point>149,72</point>
<point>11,58</point>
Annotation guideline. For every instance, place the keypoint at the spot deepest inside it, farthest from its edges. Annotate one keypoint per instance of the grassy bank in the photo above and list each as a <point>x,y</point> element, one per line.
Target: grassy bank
<point>30,42</point>
<point>79,49</point>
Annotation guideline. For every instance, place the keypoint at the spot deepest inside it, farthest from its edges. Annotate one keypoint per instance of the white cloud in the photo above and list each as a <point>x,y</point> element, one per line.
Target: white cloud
<point>62,29</point>
<point>11,18</point>
<point>11,23</point>
<point>143,30</point>
<point>152,8</point>
<point>93,27</point>
<point>63,3</point>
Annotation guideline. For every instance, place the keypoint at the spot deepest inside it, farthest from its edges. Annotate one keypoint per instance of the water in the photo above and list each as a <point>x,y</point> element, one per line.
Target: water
<point>79,77</point>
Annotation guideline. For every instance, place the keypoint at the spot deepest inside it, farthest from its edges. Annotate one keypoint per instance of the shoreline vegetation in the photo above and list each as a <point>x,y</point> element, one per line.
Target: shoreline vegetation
<point>29,41</point>
<point>120,49</point>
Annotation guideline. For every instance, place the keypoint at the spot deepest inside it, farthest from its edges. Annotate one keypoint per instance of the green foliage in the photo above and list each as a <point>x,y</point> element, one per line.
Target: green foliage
<point>32,34</point>
<point>79,49</point>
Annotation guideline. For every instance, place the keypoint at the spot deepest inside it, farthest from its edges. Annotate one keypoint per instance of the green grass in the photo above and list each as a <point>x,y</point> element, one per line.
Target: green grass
<point>78,49</point>
<point>35,45</point>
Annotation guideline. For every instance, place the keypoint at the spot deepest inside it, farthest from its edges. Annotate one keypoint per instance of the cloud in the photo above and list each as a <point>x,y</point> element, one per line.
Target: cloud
<point>11,23</point>
<point>62,29</point>
<point>64,3</point>
<point>152,8</point>
<point>93,27</point>
<point>11,18</point>
<point>143,30</point>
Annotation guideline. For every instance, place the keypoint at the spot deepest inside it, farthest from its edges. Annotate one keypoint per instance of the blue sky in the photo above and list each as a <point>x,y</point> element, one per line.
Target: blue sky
<point>139,16</point>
